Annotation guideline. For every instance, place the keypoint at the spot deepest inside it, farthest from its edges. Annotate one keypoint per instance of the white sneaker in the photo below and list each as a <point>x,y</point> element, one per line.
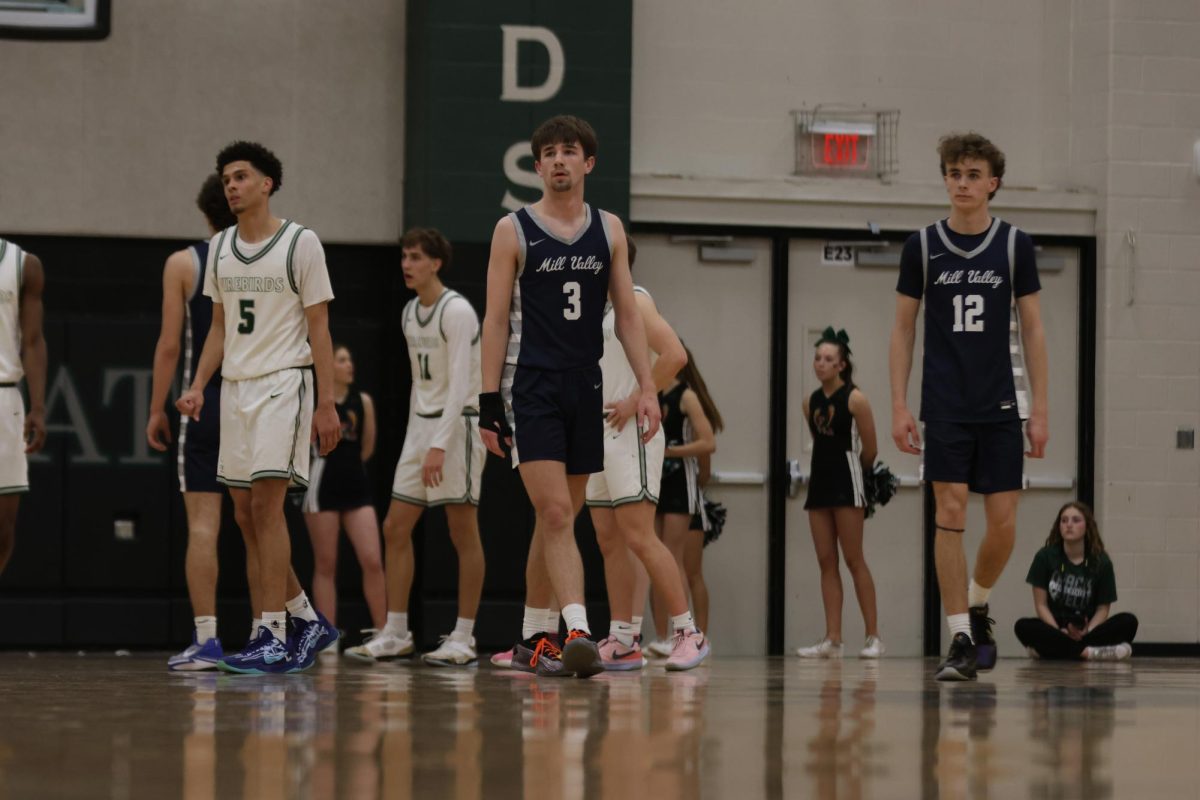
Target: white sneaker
<point>452,653</point>
<point>822,649</point>
<point>1112,652</point>
<point>659,648</point>
<point>874,648</point>
<point>382,646</point>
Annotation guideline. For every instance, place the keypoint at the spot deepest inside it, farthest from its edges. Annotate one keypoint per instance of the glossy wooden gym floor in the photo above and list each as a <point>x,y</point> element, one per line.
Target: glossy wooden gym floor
<point>103,726</point>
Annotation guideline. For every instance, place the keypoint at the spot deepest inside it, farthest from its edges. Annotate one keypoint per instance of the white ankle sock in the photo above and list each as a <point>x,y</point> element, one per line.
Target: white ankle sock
<point>534,621</point>
<point>299,606</point>
<point>206,628</point>
<point>550,621</point>
<point>397,624</point>
<point>622,632</point>
<point>977,595</point>
<point>276,623</point>
<point>683,622</point>
<point>575,615</point>
<point>462,629</point>
<point>959,623</point>
<point>637,624</point>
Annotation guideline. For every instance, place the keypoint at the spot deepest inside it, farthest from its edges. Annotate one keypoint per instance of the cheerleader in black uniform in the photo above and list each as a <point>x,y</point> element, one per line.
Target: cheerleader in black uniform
<point>690,422</point>
<point>338,497</point>
<point>843,431</point>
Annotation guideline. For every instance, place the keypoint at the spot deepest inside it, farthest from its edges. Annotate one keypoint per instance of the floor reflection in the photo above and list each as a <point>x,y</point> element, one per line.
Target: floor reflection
<point>121,728</point>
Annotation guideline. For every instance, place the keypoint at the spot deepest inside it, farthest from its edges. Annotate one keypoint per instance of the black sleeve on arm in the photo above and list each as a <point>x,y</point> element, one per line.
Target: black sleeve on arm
<point>912,271</point>
<point>1025,274</point>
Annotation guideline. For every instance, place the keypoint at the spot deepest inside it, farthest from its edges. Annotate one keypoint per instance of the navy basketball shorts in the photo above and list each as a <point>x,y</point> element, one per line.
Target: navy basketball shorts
<point>200,444</point>
<point>559,416</point>
<point>987,456</point>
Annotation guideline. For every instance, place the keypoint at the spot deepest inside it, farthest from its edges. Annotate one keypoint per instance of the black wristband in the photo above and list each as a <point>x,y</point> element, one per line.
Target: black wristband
<point>492,417</point>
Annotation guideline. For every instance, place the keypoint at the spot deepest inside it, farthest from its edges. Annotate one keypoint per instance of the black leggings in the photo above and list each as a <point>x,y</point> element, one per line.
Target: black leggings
<point>1050,642</point>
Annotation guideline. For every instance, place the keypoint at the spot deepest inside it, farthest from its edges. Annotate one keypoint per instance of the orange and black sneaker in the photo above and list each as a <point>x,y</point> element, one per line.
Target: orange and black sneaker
<point>581,656</point>
<point>540,655</point>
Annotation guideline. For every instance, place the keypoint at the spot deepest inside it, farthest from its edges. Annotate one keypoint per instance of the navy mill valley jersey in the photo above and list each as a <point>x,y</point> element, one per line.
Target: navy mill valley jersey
<point>558,296</point>
<point>973,366</point>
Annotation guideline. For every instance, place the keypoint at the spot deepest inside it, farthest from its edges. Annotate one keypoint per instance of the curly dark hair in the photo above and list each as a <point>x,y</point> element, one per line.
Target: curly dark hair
<point>259,157</point>
<point>954,147</point>
<point>212,203</point>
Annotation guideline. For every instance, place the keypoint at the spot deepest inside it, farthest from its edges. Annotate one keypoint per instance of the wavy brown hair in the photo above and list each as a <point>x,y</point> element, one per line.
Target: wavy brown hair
<point>690,377</point>
<point>1093,545</point>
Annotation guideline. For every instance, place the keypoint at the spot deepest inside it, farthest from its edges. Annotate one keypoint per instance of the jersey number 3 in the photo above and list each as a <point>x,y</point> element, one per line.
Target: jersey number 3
<point>574,309</point>
<point>968,310</point>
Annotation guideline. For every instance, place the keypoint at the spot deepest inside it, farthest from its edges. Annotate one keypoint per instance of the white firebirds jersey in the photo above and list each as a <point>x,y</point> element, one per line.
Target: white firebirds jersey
<point>264,289</point>
<point>12,262</point>
<point>619,380</point>
<point>443,350</point>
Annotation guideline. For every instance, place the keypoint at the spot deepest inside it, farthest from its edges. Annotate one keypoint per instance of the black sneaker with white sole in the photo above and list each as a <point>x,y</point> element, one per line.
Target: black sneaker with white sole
<point>960,664</point>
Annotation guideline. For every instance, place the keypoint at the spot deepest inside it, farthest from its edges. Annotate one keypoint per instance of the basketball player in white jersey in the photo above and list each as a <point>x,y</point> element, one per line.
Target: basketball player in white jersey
<point>622,497</point>
<point>186,311</point>
<point>270,329</point>
<point>441,463</point>
<point>22,355</point>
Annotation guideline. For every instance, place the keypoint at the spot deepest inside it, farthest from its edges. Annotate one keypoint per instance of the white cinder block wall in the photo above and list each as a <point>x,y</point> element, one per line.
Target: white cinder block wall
<point>1149,235</point>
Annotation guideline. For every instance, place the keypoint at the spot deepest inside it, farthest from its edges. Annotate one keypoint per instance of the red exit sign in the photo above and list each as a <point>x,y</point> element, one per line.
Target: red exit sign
<point>839,151</point>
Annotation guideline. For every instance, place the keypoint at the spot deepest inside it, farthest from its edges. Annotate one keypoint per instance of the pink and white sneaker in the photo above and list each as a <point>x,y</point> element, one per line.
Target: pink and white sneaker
<point>503,660</point>
<point>617,657</point>
<point>688,649</point>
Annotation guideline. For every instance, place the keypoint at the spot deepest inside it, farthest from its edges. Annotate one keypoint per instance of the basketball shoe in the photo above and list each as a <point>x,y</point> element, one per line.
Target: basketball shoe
<point>197,656</point>
<point>263,655</point>
<point>690,648</point>
<point>617,657</point>
<point>960,663</point>
<point>540,655</point>
<point>381,646</point>
<point>981,633</point>
<point>581,656</point>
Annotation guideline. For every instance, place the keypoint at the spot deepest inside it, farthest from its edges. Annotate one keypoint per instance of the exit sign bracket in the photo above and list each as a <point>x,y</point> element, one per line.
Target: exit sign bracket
<point>846,141</point>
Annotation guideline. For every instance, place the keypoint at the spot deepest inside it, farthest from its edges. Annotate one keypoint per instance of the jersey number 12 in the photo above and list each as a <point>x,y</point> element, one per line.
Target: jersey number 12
<point>968,311</point>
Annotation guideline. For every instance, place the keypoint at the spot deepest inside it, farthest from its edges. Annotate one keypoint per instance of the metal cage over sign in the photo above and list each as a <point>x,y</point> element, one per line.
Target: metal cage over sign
<point>842,140</point>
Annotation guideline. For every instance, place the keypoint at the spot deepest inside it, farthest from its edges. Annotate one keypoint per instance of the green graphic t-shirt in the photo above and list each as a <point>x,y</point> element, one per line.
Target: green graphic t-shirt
<point>1073,588</point>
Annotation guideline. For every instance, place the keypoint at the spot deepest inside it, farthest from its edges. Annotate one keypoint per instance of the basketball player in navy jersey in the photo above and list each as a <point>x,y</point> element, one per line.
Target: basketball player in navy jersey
<point>186,310</point>
<point>552,266</point>
<point>969,268</point>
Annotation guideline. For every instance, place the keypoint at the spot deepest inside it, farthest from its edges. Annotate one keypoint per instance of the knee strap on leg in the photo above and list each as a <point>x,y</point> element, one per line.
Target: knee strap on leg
<point>949,530</point>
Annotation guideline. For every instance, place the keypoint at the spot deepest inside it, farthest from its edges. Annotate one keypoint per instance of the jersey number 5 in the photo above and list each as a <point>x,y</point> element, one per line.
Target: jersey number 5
<point>246,309</point>
<point>967,314</point>
<point>574,309</point>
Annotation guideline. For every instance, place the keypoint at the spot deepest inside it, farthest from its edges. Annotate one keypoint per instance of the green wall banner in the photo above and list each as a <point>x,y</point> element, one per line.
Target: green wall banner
<point>481,75</point>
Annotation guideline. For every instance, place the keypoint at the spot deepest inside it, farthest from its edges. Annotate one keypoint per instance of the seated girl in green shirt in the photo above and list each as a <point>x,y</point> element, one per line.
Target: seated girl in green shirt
<point>1073,589</point>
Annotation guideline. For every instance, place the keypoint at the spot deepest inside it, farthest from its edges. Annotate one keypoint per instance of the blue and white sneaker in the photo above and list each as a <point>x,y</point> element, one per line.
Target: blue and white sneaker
<point>264,655</point>
<point>304,642</point>
<point>329,636</point>
<point>197,656</point>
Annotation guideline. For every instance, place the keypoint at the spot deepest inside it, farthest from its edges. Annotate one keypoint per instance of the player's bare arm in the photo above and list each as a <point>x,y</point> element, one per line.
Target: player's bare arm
<point>368,429</point>
<point>502,271</point>
<point>905,432</point>
<point>860,409</point>
<point>33,351</point>
<point>631,331</point>
<point>704,440</point>
<point>176,285</point>
<point>1033,337</point>
<point>327,429</point>
<point>665,344</point>
<point>191,401</point>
